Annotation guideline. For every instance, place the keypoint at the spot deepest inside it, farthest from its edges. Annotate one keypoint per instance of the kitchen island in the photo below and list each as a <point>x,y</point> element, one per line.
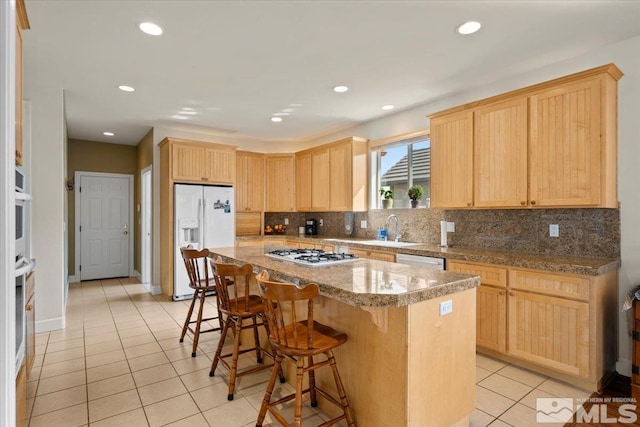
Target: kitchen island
<point>404,364</point>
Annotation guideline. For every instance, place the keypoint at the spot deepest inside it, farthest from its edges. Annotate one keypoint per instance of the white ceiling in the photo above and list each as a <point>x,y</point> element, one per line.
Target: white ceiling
<point>236,63</point>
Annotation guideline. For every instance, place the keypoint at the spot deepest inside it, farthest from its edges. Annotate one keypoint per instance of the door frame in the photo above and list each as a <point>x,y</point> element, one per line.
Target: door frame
<point>146,256</point>
<point>78,201</point>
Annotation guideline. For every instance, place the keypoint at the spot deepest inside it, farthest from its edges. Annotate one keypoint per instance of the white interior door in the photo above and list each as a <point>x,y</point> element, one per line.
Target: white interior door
<point>146,225</point>
<point>104,227</point>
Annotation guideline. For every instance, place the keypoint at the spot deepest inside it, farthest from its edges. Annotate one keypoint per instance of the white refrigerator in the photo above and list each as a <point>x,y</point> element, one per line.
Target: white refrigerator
<point>204,218</point>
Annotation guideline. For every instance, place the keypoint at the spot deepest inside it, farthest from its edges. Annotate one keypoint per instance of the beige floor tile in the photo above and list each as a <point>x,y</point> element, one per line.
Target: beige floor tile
<point>209,397</point>
<point>492,403</point>
<point>506,387</point>
<point>38,360</point>
<point>107,371</point>
<point>64,345</point>
<point>65,334</point>
<point>140,330</point>
<point>67,417</point>
<point>480,419</point>
<point>197,420</point>
<point>162,390</point>
<point>40,349</point>
<point>199,379</point>
<point>530,399</point>
<point>113,405</point>
<point>183,352</point>
<point>102,347</point>
<point>162,326</point>
<point>560,389</point>
<point>59,400</point>
<point>61,382</point>
<point>489,364</point>
<point>42,338</point>
<point>142,350</point>
<point>171,410</point>
<point>522,375</point>
<point>523,416</point>
<point>138,322</point>
<point>32,388</point>
<point>137,340</point>
<point>232,414</point>
<point>62,368</point>
<point>171,343</point>
<point>170,333</point>
<point>499,423</point>
<point>148,361</point>
<point>61,356</point>
<point>103,388</point>
<point>135,418</point>
<point>482,374</point>
<point>35,374</point>
<point>105,358</point>
<point>191,364</point>
<point>111,336</point>
<point>100,330</point>
<point>154,375</point>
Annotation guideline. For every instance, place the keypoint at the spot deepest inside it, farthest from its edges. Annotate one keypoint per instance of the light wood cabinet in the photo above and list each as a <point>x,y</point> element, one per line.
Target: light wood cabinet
<point>553,144</point>
<point>303,181</point>
<point>249,187</point>
<point>200,162</point>
<point>220,164</point>
<point>500,154</point>
<point>30,324</point>
<point>562,325</point>
<point>377,255</point>
<point>21,397</point>
<point>261,242</point>
<point>334,175</point>
<point>452,161</point>
<point>280,182</point>
<point>22,23</point>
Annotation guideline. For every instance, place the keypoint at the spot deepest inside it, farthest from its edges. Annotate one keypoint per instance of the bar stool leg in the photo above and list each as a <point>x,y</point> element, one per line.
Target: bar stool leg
<point>196,335</point>
<point>346,408</point>
<point>256,340</point>
<point>188,319</point>
<point>277,368</point>
<point>234,360</point>
<point>312,384</point>
<point>216,358</point>
<point>297,410</point>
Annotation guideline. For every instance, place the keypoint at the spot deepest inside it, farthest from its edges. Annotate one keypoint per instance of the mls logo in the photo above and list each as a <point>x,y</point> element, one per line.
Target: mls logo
<point>553,410</point>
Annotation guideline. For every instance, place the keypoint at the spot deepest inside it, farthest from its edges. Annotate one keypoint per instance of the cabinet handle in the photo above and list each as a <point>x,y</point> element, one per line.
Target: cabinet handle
<point>533,202</point>
<point>523,203</point>
<point>28,307</point>
<point>511,293</point>
<point>468,204</point>
<point>501,293</point>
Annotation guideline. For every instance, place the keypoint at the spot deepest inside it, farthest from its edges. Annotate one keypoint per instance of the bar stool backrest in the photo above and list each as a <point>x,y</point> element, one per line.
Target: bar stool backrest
<point>296,332</point>
<point>231,276</point>
<point>193,261</point>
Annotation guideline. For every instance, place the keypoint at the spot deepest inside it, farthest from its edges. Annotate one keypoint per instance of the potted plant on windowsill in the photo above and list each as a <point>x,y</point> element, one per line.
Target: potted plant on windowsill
<point>387,198</point>
<point>415,193</point>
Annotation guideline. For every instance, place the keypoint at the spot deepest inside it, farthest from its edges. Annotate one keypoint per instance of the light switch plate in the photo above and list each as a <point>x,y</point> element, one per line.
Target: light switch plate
<point>286,221</point>
<point>451,227</point>
<point>554,230</point>
<point>321,222</point>
<point>446,307</point>
<point>363,223</point>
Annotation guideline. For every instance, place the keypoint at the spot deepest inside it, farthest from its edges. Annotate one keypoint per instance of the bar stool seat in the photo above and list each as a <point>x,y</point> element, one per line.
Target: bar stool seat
<point>299,340</point>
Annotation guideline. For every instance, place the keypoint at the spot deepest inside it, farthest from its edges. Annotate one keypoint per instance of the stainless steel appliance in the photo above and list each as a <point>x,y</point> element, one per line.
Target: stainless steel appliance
<point>311,227</point>
<point>312,257</point>
<point>22,198</point>
<point>204,218</point>
<point>23,268</point>
<point>421,261</point>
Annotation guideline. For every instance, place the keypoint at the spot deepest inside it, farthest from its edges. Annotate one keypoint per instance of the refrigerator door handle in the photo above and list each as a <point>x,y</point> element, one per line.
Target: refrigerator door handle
<point>202,203</point>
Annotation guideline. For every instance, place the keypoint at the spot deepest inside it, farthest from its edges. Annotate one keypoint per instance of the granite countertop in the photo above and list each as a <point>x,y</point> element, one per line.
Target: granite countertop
<point>361,283</point>
<point>548,262</point>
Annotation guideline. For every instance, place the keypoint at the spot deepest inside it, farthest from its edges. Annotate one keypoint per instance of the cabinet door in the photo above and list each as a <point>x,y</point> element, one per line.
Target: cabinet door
<point>187,163</point>
<point>320,184</point>
<point>303,181</point>
<point>340,181</point>
<point>500,154</point>
<point>219,165</point>
<point>249,182</point>
<point>549,331</point>
<point>452,161</point>
<point>280,183</point>
<point>377,255</point>
<point>30,312</point>
<point>491,321</point>
<point>565,146</point>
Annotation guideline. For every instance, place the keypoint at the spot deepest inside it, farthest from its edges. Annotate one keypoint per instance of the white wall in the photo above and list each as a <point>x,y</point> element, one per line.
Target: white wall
<point>626,56</point>
<point>48,145</point>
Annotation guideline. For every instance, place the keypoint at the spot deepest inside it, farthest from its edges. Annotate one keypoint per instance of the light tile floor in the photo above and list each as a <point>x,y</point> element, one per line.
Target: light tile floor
<point>118,362</point>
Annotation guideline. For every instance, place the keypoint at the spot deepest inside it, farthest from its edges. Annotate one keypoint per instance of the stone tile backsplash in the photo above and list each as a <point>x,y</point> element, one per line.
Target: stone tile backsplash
<point>583,232</point>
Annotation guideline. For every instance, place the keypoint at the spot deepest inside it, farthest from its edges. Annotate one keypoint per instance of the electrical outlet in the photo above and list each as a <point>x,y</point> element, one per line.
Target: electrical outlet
<point>321,222</point>
<point>554,230</point>
<point>451,227</point>
<point>286,221</point>
<point>446,307</point>
<point>363,223</point>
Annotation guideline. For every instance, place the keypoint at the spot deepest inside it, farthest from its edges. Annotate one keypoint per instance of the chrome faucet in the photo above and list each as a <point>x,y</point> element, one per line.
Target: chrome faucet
<point>396,235</point>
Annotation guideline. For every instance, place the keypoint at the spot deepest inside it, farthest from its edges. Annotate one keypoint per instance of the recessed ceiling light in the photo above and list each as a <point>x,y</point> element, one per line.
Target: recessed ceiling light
<point>281,114</point>
<point>125,88</point>
<point>189,112</point>
<point>469,27</point>
<point>340,89</point>
<point>388,107</point>
<point>108,133</point>
<point>188,109</point>
<point>179,117</point>
<point>288,110</point>
<point>276,119</point>
<point>150,28</point>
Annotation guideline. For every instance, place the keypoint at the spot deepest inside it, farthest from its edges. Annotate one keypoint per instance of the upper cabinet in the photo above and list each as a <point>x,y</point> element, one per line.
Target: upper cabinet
<point>280,182</point>
<point>22,23</point>
<point>201,162</point>
<point>334,175</point>
<point>549,145</point>
<point>249,182</point>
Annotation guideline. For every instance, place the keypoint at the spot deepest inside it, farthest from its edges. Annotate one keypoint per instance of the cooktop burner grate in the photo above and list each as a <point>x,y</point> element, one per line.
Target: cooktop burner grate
<point>311,257</point>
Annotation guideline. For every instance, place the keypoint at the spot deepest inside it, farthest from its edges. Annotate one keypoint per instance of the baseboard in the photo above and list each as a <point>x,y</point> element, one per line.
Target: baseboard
<point>136,275</point>
<point>153,290</point>
<point>623,366</point>
<point>50,324</point>
<point>74,279</point>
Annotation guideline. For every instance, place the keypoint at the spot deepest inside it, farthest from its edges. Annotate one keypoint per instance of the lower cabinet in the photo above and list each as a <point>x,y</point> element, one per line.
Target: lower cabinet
<point>377,255</point>
<point>260,242</point>
<point>560,324</point>
<point>21,396</point>
<point>30,311</point>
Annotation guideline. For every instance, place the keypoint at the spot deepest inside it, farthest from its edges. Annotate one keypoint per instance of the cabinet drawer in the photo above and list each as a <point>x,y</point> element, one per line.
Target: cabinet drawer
<point>488,275</point>
<point>550,284</point>
<point>377,255</point>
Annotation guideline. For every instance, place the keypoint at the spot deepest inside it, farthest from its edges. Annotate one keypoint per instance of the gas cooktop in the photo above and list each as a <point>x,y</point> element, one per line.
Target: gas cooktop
<point>311,257</point>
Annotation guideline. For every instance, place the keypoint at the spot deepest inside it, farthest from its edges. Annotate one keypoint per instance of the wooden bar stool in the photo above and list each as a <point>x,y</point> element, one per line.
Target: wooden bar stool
<point>202,283</point>
<point>299,340</point>
<point>238,308</point>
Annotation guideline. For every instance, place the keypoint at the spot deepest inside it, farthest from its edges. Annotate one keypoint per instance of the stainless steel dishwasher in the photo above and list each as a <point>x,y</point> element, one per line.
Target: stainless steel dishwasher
<point>421,261</point>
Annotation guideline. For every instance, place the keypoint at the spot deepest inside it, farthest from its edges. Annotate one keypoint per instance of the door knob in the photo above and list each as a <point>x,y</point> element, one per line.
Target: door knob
<point>125,232</point>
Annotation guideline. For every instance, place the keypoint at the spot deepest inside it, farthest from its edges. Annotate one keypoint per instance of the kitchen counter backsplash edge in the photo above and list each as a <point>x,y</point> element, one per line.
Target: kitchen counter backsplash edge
<point>554,263</point>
